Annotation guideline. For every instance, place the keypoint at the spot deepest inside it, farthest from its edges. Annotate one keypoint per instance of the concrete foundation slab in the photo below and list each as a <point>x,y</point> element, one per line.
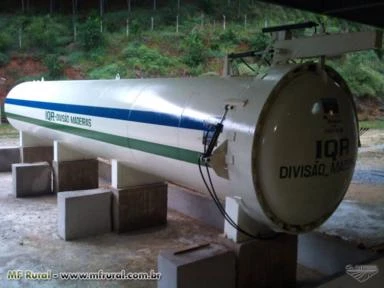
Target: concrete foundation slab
<point>266,263</point>
<point>329,255</point>
<point>139,207</point>
<point>367,275</point>
<point>84,213</point>
<point>75,175</point>
<point>36,154</point>
<point>9,156</point>
<point>31,179</point>
<point>207,266</point>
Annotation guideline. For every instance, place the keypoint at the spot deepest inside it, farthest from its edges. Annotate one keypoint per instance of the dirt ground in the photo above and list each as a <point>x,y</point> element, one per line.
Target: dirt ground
<point>29,241</point>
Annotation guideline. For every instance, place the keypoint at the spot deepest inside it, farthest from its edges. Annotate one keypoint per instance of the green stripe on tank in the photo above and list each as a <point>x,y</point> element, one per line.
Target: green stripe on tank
<point>149,147</point>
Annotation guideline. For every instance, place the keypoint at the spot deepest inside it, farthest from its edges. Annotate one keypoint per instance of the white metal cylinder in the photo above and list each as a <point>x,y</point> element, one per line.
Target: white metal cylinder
<point>291,136</point>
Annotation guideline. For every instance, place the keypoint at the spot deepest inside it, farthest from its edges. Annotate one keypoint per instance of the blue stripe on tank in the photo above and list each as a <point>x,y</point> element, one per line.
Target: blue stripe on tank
<point>148,117</point>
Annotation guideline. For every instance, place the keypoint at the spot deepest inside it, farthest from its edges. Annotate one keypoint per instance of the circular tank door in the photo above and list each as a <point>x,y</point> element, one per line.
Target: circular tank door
<point>305,148</point>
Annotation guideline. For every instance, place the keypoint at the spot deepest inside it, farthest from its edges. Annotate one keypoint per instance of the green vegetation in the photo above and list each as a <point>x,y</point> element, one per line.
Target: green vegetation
<point>7,131</point>
<point>363,71</point>
<point>90,34</point>
<point>54,66</point>
<point>376,124</point>
<point>132,45</point>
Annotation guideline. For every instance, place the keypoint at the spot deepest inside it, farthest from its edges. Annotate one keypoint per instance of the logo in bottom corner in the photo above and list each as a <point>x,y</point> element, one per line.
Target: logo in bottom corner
<point>362,273</point>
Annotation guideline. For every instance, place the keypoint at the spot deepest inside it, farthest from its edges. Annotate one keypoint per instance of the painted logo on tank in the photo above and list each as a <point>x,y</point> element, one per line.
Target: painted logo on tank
<point>331,114</point>
<point>331,155</point>
<point>335,150</point>
<point>66,118</point>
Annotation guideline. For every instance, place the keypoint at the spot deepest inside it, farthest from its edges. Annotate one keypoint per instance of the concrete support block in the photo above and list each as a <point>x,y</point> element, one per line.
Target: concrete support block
<point>234,208</point>
<point>139,207</point>
<point>73,170</point>
<point>198,206</point>
<point>266,263</point>
<point>84,213</point>
<point>75,175</point>
<point>34,149</point>
<point>105,170</point>
<point>28,139</point>
<point>211,266</point>
<point>36,154</point>
<point>63,152</point>
<point>125,176</point>
<point>31,179</point>
<point>8,156</point>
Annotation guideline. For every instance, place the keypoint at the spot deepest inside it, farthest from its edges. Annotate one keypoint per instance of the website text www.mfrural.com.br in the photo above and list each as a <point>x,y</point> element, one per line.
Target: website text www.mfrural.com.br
<point>14,275</point>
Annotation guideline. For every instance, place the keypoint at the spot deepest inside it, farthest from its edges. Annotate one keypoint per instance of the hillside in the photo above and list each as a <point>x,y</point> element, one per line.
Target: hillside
<point>166,42</point>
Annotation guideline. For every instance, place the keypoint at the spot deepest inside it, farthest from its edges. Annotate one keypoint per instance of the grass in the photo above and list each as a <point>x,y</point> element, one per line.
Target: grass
<point>7,131</point>
<point>375,124</point>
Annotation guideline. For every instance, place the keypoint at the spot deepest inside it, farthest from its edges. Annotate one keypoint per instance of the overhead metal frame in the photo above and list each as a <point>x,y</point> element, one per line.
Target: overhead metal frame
<point>368,12</point>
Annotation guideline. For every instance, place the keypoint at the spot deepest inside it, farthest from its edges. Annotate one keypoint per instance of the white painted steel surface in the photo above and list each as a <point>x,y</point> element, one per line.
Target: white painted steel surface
<point>291,149</point>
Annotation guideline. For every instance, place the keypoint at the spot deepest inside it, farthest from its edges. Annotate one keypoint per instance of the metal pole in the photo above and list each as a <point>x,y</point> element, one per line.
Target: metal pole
<point>74,32</point>
<point>20,37</point>
<point>245,21</point>
<point>127,28</point>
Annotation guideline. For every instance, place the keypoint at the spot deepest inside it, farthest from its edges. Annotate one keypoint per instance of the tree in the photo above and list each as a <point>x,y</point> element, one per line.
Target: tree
<point>90,34</point>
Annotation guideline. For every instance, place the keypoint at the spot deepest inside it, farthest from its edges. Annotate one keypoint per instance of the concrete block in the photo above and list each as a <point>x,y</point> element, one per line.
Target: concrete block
<point>139,207</point>
<point>211,266</point>
<point>75,175</point>
<point>195,205</point>
<point>105,170</point>
<point>31,179</point>
<point>66,152</point>
<point>266,263</point>
<point>30,139</point>
<point>9,156</point>
<point>36,154</point>
<point>234,209</point>
<point>125,176</point>
<point>84,213</point>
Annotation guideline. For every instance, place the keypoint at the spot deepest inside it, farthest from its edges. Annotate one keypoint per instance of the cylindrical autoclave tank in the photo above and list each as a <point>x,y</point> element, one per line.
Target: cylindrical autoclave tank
<point>291,136</point>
